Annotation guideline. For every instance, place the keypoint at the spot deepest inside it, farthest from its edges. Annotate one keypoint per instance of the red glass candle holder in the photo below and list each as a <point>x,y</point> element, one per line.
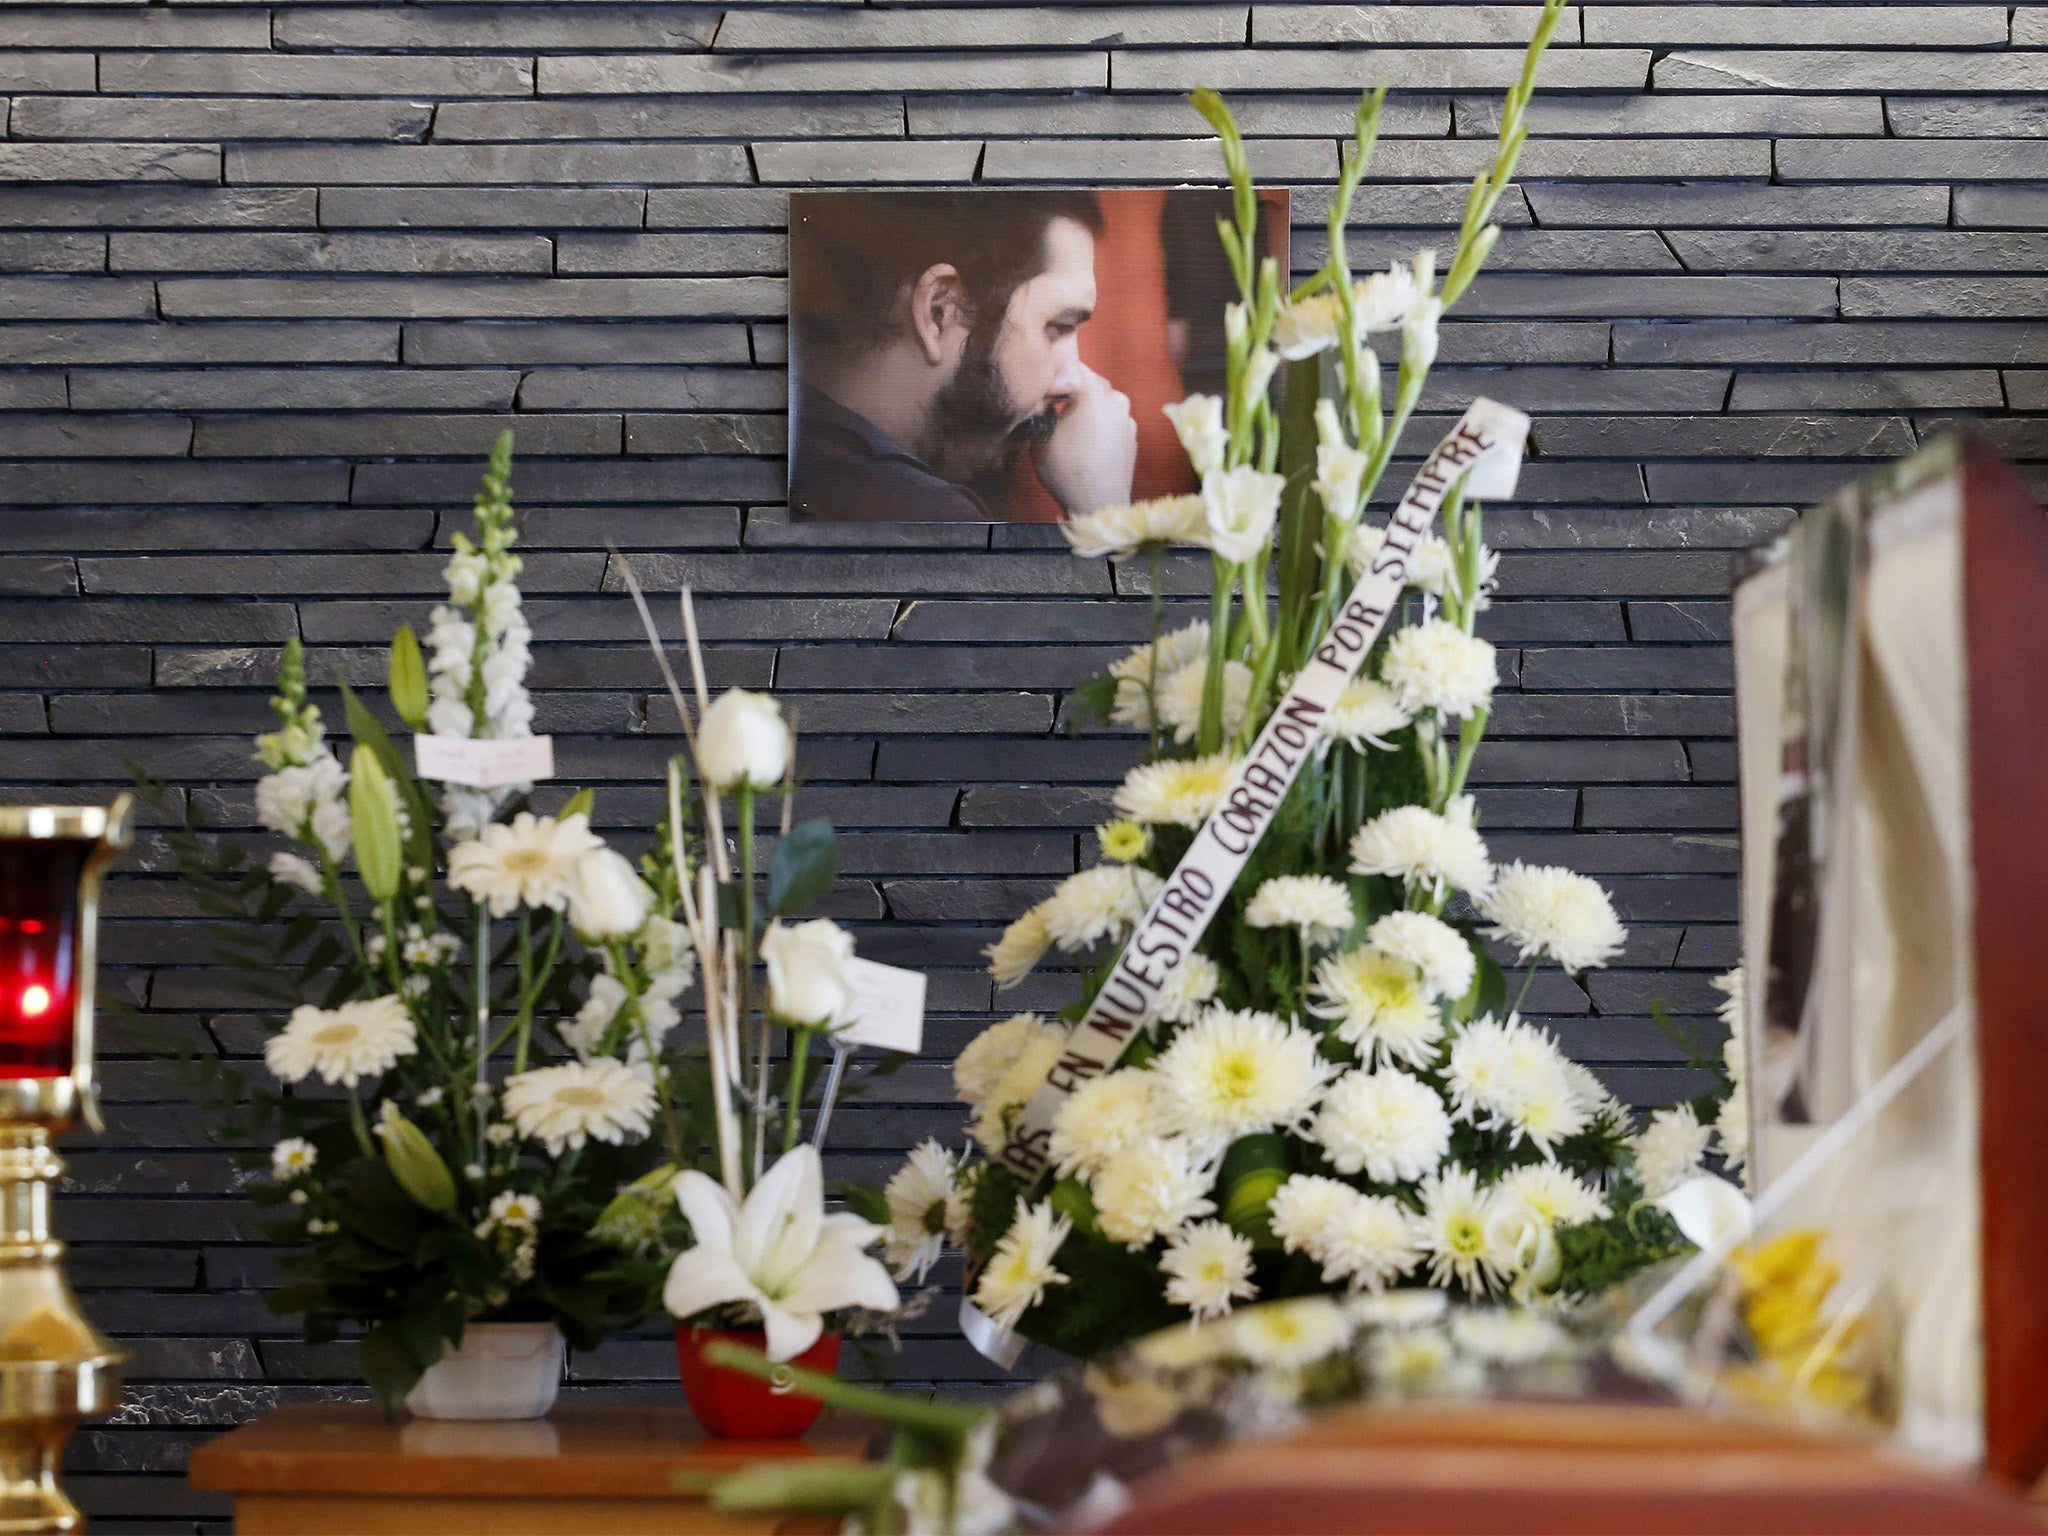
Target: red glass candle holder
<point>40,912</point>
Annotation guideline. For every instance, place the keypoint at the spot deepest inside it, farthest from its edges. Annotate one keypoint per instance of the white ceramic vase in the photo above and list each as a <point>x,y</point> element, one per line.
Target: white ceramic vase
<point>502,1371</point>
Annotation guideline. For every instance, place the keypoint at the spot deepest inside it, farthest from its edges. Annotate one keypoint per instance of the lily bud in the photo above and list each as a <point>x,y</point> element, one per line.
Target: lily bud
<point>742,739</point>
<point>420,1171</point>
<point>408,676</point>
<point>375,816</point>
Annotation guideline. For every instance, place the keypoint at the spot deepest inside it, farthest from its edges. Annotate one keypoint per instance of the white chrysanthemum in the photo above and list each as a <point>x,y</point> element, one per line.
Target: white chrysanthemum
<point>1149,1188</point>
<point>1423,849</point>
<point>1208,1269</point>
<point>1142,525</point>
<point>1180,698</point>
<point>1511,1077</point>
<point>1290,1334</point>
<point>1365,1240</point>
<point>1175,793</point>
<point>1432,946</point>
<point>985,1059</point>
<point>1551,1192</point>
<point>1506,1335</point>
<point>529,862</point>
<point>1023,944</point>
<point>1016,1276</point>
<point>1379,1004</point>
<point>1318,907</point>
<point>916,1195</point>
<point>1436,665</point>
<point>562,1107</point>
<point>1387,1125</point>
<point>1669,1148</point>
<point>1365,715</point>
<point>1543,909</point>
<point>343,1045</point>
<point>1022,1078</point>
<point>1398,1309</point>
<point>1149,666</point>
<point>1453,1230</point>
<point>1099,903</point>
<point>1229,1074</point>
<point>291,1157</point>
<point>1190,984</point>
<point>1420,1363</point>
<point>1099,1119</point>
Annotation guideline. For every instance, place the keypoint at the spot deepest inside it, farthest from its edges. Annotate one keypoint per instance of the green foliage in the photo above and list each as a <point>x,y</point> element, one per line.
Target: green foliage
<point>1091,703</point>
<point>1111,1295</point>
<point>803,867</point>
<point>1598,1255</point>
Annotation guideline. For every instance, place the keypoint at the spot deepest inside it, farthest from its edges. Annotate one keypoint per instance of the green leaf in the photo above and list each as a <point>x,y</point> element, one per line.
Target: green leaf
<point>1091,703</point>
<point>803,866</point>
<point>864,1200</point>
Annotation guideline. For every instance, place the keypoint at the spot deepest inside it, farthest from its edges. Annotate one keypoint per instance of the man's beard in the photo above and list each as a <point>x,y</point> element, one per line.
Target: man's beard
<point>974,429</point>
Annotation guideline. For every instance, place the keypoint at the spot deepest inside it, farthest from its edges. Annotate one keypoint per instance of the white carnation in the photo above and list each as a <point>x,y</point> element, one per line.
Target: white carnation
<point>1387,1125</point>
<point>1198,423</point>
<point>1436,665</point>
<point>1240,505</point>
<point>1542,909</point>
<point>1423,849</point>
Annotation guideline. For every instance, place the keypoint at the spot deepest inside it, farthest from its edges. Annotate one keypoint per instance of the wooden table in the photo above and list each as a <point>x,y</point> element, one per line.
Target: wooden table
<point>341,1470</point>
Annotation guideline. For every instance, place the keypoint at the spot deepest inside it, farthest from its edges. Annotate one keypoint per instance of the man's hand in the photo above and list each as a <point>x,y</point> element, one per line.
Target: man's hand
<point>1088,460</point>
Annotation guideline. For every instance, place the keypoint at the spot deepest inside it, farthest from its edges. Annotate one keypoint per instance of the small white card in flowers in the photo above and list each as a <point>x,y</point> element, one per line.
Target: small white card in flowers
<point>888,1007</point>
<point>484,764</point>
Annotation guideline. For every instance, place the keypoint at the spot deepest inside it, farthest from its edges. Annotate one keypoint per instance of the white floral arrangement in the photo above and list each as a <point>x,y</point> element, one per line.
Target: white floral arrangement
<point>1335,1092</point>
<point>491,1113</point>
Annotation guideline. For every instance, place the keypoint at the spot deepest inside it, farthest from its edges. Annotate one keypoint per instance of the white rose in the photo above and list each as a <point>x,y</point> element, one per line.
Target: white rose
<point>807,980</point>
<point>742,740</point>
<point>1240,505</point>
<point>1198,423</point>
<point>607,899</point>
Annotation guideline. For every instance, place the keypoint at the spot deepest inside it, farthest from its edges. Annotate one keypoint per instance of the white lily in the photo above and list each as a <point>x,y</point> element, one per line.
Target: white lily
<point>1710,1212</point>
<point>779,1253</point>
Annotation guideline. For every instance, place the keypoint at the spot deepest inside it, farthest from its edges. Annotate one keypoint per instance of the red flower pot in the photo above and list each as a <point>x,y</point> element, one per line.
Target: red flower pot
<point>734,1406</point>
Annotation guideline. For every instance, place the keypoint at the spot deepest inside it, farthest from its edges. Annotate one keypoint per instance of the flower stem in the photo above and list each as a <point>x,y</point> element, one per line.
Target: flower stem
<point>799,1064</point>
<point>1210,736</point>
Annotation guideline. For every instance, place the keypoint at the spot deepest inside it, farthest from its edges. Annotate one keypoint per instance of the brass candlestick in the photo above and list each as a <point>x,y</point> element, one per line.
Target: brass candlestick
<point>55,1369</point>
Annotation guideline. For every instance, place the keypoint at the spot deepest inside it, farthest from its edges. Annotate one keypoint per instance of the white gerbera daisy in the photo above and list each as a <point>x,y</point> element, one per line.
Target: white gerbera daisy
<point>1365,715</point>
<point>1453,1230</point>
<point>1436,665</point>
<point>564,1106</point>
<point>1423,849</point>
<point>1380,1005</point>
<point>1316,906</point>
<point>291,1157</point>
<point>1180,698</point>
<point>1542,909</point>
<point>529,862</point>
<point>984,1060</point>
<point>1100,1118</point>
<point>1229,1074</point>
<point>1022,1078</point>
<point>1511,1077</point>
<point>1669,1148</point>
<point>1506,1335</point>
<point>1364,1239</point>
<point>1023,944</point>
<point>1016,1276</point>
<point>1432,946</point>
<point>1290,1334</point>
<point>344,1045</point>
<point>1149,524</point>
<point>1552,1193</point>
<point>1149,666</point>
<point>916,1195</point>
<point>1099,903</point>
<point>1148,1188</point>
<point>1181,996</point>
<point>1175,792</point>
<point>1208,1269</point>
<point>1387,1125</point>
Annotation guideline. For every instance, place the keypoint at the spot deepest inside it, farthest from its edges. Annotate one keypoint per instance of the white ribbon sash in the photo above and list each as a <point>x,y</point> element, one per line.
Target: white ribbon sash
<point>1485,450</point>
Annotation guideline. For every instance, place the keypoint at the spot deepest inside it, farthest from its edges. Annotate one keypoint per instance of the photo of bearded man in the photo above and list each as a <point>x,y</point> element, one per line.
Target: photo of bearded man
<point>995,355</point>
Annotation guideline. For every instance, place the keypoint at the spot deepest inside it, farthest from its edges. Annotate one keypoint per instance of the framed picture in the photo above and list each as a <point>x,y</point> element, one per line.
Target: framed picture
<point>997,355</point>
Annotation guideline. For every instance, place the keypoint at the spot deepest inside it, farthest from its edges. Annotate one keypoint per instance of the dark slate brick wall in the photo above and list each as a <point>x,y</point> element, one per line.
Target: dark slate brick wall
<point>273,275</point>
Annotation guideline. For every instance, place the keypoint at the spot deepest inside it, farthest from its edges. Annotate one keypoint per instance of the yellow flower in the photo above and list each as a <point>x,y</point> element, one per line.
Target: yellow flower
<point>1123,840</point>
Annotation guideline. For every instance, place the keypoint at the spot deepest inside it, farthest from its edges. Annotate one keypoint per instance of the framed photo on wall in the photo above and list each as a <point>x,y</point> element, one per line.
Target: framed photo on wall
<point>1001,356</point>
